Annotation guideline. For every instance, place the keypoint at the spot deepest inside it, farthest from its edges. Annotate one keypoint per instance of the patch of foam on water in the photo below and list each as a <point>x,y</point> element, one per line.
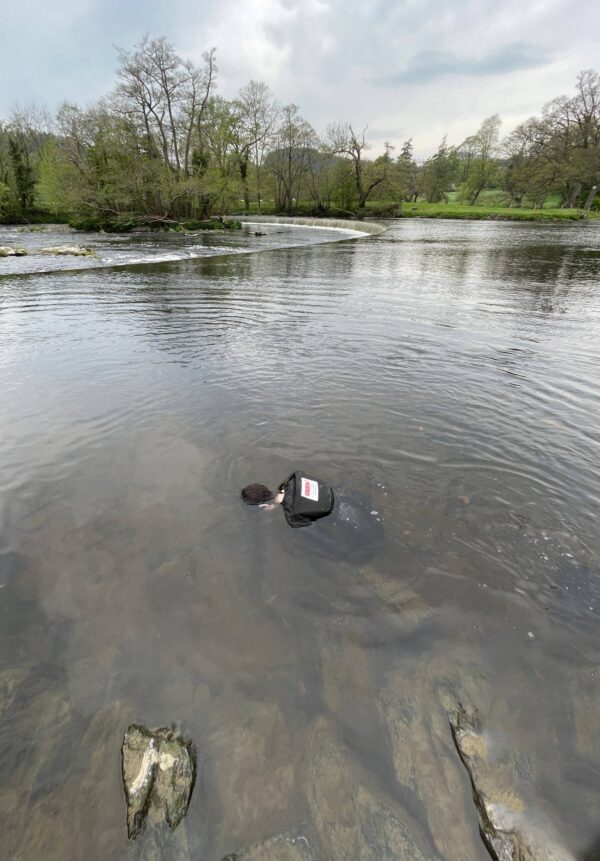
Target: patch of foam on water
<point>147,258</point>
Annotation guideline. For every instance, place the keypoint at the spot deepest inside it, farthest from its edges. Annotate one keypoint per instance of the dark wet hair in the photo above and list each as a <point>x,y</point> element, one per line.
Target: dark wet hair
<point>255,494</point>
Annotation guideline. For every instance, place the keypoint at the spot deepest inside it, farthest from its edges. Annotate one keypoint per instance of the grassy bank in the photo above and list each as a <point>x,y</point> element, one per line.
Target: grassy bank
<point>492,213</point>
<point>486,212</point>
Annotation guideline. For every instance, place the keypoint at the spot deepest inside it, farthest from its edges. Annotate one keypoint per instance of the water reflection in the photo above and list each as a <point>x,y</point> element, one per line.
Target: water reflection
<point>426,369</point>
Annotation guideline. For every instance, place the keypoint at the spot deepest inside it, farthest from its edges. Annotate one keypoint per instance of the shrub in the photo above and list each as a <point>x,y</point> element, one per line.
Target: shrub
<point>212,224</point>
<point>86,223</point>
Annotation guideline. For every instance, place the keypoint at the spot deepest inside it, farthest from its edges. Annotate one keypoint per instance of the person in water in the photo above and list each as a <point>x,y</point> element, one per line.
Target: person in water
<point>303,499</point>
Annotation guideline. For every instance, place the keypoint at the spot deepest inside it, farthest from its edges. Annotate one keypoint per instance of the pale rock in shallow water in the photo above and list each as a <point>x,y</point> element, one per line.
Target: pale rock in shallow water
<point>67,251</point>
<point>509,831</point>
<point>9,251</point>
<point>159,770</point>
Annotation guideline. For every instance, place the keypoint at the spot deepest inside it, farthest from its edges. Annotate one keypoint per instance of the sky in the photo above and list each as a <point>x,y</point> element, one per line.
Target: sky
<point>417,69</point>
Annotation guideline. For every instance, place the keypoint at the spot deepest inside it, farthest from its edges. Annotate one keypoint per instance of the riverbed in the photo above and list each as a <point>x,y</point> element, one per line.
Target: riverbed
<point>444,373</point>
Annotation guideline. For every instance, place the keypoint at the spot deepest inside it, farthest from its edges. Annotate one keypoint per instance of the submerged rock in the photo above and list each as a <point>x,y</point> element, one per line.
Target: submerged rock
<point>159,770</point>
<point>282,847</point>
<point>10,251</point>
<point>10,682</point>
<point>354,818</point>
<point>507,831</point>
<point>67,251</point>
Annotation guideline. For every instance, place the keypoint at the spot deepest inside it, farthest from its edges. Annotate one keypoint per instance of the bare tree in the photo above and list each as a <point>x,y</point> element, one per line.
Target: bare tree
<point>257,113</point>
<point>201,83</point>
<point>344,141</point>
<point>206,85</point>
<point>321,176</point>
<point>167,96</point>
<point>289,159</point>
<point>586,112</point>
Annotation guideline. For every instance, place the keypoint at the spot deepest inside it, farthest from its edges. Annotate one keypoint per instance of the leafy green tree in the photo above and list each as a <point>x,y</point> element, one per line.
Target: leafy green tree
<point>439,173</point>
<point>257,114</point>
<point>585,110</point>
<point>23,174</point>
<point>21,142</point>
<point>559,152</point>
<point>521,149</point>
<point>7,202</point>
<point>343,193</point>
<point>478,153</point>
<point>221,175</point>
<point>409,176</point>
<point>99,166</point>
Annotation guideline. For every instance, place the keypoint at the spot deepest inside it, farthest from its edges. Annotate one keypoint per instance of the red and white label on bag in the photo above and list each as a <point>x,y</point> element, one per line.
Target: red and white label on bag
<point>309,489</point>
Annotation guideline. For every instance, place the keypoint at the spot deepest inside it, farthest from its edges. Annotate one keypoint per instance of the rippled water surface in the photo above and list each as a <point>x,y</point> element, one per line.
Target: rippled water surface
<point>445,373</point>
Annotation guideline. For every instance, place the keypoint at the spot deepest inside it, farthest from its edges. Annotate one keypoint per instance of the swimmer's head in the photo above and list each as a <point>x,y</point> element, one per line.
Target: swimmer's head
<point>256,494</point>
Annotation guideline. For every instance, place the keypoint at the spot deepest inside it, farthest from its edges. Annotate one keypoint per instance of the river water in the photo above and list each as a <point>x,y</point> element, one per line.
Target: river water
<point>444,373</point>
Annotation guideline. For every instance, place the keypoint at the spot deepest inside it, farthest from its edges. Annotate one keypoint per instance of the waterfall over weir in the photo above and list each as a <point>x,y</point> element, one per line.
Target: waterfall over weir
<point>371,227</point>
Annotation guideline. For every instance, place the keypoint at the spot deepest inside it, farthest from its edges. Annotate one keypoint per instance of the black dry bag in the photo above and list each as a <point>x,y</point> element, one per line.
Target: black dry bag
<point>306,499</point>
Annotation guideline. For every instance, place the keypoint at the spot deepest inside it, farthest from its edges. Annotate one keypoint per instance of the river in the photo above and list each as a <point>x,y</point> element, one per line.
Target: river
<point>447,373</point>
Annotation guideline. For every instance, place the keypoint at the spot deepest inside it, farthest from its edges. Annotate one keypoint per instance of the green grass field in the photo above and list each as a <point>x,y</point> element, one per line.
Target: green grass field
<point>491,213</point>
<point>488,210</point>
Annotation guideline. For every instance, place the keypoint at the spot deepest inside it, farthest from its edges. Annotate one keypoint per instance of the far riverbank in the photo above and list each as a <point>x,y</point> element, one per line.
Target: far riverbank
<point>493,213</point>
<point>450,210</point>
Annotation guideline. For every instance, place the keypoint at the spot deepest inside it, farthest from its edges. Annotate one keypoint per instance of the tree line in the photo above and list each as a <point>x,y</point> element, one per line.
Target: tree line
<point>165,146</point>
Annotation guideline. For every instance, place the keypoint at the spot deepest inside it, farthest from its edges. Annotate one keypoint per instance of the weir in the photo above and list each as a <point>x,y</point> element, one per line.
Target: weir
<point>371,227</point>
